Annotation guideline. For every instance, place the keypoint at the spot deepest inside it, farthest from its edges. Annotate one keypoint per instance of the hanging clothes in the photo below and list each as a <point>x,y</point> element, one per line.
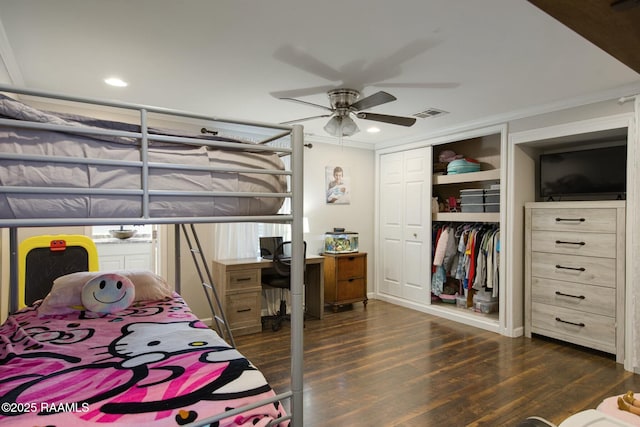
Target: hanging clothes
<point>439,276</point>
<point>467,252</point>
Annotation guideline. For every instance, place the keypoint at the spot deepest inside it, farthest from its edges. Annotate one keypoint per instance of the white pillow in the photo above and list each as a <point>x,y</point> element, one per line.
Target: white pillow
<point>66,293</point>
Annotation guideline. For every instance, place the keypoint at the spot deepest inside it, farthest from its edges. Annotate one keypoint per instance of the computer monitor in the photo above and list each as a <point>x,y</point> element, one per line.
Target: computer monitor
<point>268,246</point>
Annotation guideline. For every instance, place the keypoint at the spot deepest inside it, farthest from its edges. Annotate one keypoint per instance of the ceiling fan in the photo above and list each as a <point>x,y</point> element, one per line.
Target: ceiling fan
<point>345,103</point>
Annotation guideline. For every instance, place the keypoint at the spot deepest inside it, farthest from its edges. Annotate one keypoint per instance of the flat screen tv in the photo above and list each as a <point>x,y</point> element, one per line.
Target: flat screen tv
<point>588,174</point>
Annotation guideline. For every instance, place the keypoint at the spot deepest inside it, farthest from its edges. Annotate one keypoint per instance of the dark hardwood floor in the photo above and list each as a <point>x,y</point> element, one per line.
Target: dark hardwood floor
<point>392,366</point>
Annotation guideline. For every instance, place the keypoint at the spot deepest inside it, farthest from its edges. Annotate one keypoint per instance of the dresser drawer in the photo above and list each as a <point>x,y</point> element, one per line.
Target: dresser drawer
<point>352,289</point>
<point>574,243</point>
<point>243,309</point>
<point>574,219</point>
<point>589,330</point>
<point>572,268</point>
<point>576,296</point>
<point>349,267</point>
<point>243,280</point>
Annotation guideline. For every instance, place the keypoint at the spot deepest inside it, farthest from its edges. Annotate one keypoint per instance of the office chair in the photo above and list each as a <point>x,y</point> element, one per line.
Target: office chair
<point>281,279</point>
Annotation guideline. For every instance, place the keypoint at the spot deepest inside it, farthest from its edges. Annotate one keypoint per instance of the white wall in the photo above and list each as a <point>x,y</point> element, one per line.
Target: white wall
<point>358,216</point>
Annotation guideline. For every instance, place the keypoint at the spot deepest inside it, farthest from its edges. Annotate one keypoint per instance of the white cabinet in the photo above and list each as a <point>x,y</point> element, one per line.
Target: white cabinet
<point>575,273</point>
<point>123,255</point>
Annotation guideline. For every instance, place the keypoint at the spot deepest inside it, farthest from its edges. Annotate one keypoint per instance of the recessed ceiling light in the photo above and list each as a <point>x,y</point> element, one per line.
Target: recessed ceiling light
<point>373,129</point>
<point>115,81</point>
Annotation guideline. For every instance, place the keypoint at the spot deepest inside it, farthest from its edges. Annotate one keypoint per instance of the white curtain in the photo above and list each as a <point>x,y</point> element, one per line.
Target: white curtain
<point>235,240</point>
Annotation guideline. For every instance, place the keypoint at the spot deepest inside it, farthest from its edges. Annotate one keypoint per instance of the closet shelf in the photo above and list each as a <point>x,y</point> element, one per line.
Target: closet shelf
<point>467,216</point>
<point>489,175</point>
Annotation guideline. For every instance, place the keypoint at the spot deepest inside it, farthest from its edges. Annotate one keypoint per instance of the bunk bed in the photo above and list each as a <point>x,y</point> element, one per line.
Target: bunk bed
<point>91,171</point>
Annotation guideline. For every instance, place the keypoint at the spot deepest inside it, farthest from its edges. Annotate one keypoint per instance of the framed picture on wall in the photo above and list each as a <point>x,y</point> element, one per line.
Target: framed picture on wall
<point>338,185</point>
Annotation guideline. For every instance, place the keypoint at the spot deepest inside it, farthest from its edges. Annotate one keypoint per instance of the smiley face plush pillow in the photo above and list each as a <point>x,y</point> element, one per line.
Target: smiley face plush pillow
<point>108,293</point>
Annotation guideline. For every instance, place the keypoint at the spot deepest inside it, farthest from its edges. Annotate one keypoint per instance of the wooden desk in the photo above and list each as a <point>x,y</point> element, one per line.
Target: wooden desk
<point>239,285</point>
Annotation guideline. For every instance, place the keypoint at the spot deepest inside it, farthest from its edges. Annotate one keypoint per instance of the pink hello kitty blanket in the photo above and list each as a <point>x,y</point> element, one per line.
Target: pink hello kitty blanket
<point>151,364</point>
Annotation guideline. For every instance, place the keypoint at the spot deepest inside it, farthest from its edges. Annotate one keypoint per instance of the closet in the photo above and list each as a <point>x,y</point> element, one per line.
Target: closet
<point>466,283</point>
<point>416,203</point>
<point>466,265</point>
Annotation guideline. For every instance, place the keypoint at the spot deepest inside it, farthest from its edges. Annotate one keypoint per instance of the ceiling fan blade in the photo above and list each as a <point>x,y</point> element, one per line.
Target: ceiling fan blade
<point>385,118</point>
<point>390,66</point>
<point>307,103</point>
<point>303,61</point>
<point>444,85</point>
<point>374,100</point>
<point>305,119</point>
<point>297,93</point>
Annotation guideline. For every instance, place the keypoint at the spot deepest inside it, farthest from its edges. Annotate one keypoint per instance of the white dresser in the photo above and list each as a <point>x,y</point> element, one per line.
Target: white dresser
<point>575,273</point>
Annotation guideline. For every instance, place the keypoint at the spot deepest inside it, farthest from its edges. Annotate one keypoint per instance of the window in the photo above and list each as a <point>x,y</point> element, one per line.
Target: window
<point>102,231</point>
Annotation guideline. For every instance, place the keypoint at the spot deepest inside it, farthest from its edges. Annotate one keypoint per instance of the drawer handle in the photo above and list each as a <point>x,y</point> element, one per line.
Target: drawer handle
<point>243,310</point>
<point>243,279</point>
<point>569,295</point>
<point>570,219</point>
<point>571,268</point>
<point>562,242</point>
<point>582,325</point>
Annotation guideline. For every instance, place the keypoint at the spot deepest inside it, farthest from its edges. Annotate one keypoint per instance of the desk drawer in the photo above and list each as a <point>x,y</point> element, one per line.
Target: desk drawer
<point>349,267</point>
<point>243,279</point>
<point>243,309</point>
<point>574,219</point>
<point>574,243</point>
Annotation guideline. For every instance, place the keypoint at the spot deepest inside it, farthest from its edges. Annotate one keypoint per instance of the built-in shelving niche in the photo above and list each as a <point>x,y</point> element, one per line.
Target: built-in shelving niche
<point>488,150</point>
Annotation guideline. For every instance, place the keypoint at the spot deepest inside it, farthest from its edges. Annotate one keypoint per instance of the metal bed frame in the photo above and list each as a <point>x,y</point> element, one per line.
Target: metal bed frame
<point>276,132</point>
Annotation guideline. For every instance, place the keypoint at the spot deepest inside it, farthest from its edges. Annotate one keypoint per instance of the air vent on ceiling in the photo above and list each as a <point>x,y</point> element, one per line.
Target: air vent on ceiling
<point>430,112</point>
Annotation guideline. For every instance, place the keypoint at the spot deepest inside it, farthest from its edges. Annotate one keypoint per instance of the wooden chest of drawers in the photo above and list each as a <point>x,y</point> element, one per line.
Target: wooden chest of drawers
<point>345,279</point>
<point>575,273</point>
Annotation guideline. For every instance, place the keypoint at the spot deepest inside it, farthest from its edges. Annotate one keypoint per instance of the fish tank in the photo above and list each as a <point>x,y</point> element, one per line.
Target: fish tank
<point>340,242</point>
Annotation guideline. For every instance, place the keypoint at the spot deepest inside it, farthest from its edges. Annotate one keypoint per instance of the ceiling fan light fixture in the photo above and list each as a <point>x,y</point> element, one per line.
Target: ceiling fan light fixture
<point>341,126</point>
<point>349,127</point>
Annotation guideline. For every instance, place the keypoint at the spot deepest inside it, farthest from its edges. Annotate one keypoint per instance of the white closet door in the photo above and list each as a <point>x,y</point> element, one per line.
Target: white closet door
<point>416,225</point>
<point>404,224</point>
<point>391,224</point>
